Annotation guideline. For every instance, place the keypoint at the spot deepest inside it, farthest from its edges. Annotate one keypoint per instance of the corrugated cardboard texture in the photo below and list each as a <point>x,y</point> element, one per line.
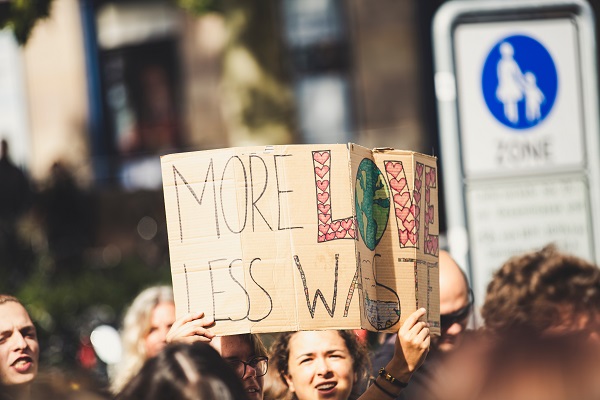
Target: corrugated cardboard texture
<point>302,237</point>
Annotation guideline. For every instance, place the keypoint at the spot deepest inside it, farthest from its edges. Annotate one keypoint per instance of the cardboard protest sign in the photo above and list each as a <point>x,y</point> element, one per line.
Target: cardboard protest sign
<point>303,237</point>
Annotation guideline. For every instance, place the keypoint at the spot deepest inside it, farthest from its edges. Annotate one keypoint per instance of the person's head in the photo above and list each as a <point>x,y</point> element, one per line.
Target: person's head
<point>19,349</point>
<point>549,368</point>
<point>148,320</point>
<point>523,367</point>
<point>145,327</point>
<point>544,292</point>
<point>185,372</point>
<point>248,357</point>
<point>455,303</point>
<point>506,49</point>
<point>318,364</point>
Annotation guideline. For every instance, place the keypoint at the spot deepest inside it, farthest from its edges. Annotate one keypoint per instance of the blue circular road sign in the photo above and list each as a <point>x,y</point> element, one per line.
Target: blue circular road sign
<point>519,82</point>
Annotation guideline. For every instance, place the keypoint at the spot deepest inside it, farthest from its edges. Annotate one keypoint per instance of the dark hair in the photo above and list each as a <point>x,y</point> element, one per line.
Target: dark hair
<point>540,290</point>
<point>185,372</point>
<point>280,353</point>
<point>255,343</point>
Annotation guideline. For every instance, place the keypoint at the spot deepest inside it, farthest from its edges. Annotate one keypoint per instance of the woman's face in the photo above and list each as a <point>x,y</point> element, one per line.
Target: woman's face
<point>319,366</point>
<point>238,348</point>
<point>161,320</point>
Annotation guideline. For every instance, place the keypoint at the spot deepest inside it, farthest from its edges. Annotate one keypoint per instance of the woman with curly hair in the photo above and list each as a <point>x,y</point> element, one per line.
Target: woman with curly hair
<point>540,339</point>
<point>330,364</point>
<point>544,292</point>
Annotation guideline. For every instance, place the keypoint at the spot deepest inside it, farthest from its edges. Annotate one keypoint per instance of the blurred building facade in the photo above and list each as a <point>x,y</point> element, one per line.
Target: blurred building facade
<point>109,86</point>
<point>103,88</point>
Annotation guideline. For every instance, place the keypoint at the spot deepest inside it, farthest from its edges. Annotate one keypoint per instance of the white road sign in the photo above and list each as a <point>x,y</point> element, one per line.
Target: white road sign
<point>516,85</point>
<point>519,96</point>
<point>515,216</point>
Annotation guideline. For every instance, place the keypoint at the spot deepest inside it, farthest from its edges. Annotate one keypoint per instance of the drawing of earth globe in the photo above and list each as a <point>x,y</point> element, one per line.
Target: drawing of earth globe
<point>372,201</point>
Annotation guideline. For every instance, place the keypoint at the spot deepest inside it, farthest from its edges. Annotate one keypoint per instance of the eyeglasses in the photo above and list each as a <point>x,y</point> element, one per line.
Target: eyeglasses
<point>259,364</point>
<point>447,320</point>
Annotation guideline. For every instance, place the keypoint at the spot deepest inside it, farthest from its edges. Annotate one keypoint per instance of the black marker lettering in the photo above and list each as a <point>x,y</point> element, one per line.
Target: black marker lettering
<point>318,293</point>
<point>212,288</point>
<point>242,287</point>
<point>263,289</point>
<point>279,192</point>
<point>187,289</point>
<point>241,228</point>
<point>198,200</point>
<point>252,183</point>
<point>352,287</point>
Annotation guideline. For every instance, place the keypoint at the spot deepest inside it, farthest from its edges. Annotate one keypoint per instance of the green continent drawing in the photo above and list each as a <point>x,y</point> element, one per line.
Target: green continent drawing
<point>372,200</point>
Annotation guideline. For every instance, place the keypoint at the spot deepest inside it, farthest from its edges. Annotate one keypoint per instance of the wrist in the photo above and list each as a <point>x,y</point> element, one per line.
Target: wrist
<point>399,370</point>
<point>392,393</point>
<point>391,379</point>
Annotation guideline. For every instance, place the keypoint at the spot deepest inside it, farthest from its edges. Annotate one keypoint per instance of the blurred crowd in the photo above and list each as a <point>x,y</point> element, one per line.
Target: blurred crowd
<point>539,340</point>
<point>60,206</point>
<point>539,334</point>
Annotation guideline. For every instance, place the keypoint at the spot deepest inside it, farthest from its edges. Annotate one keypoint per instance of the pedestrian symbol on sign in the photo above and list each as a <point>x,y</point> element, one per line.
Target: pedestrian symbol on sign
<point>519,82</point>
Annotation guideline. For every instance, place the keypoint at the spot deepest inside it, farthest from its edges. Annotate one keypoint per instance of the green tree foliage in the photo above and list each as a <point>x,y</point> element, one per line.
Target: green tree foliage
<point>198,7</point>
<point>21,16</point>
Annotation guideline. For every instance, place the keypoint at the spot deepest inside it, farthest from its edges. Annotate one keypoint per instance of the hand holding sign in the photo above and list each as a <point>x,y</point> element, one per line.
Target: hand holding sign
<point>191,328</point>
<point>412,344</point>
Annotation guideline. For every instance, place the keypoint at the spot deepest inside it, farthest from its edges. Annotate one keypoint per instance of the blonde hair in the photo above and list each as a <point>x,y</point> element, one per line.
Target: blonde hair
<point>136,325</point>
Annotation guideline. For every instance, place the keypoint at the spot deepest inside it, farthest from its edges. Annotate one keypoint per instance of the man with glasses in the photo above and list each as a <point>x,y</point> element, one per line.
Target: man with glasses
<point>456,303</point>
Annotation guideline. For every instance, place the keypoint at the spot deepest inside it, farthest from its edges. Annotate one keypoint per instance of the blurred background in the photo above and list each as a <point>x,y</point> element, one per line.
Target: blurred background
<point>92,92</point>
